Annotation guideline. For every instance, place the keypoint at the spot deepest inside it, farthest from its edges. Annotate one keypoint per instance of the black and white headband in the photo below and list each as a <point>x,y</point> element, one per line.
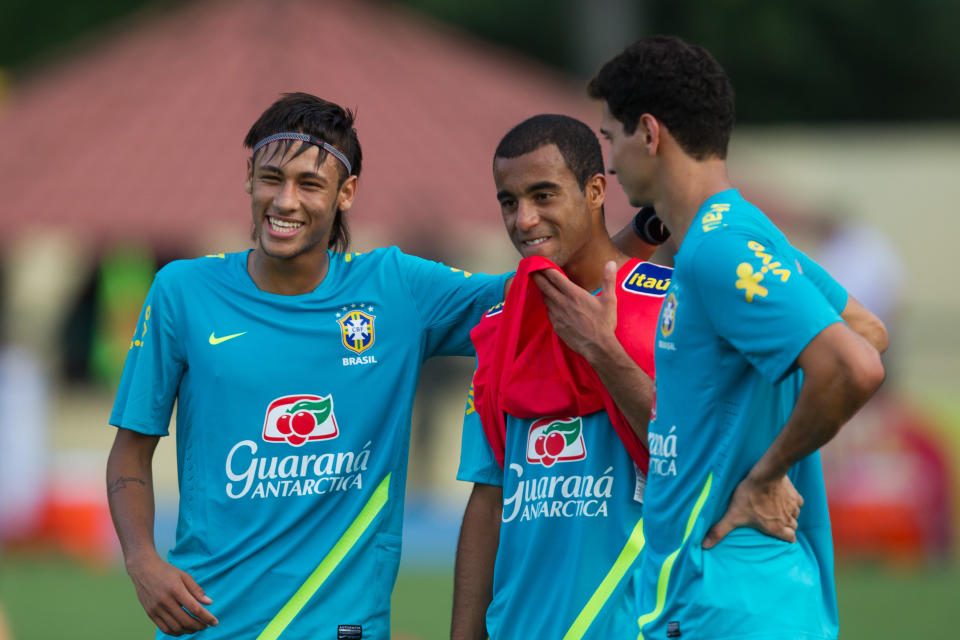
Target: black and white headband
<point>336,153</point>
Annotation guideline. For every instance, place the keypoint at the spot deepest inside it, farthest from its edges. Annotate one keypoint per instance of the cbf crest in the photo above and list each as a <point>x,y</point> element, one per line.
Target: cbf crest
<point>668,315</point>
<point>356,328</point>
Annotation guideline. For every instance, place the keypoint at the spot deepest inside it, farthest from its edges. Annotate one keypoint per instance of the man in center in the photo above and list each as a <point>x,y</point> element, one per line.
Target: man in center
<point>555,427</point>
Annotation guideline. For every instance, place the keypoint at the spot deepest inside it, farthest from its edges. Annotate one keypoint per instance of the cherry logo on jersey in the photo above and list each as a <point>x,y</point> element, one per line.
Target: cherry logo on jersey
<point>299,419</point>
<point>555,440</point>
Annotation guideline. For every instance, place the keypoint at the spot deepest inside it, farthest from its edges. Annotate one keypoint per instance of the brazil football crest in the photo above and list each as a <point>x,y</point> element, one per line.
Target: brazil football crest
<point>668,315</point>
<point>356,330</point>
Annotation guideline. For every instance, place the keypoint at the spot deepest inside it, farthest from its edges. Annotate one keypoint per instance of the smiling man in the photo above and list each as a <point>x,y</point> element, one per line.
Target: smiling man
<point>293,366</point>
<point>555,430</point>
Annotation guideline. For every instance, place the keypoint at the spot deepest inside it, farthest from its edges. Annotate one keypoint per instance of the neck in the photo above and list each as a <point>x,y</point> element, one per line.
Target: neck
<point>686,186</point>
<point>585,268</point>
<point>288,276</point>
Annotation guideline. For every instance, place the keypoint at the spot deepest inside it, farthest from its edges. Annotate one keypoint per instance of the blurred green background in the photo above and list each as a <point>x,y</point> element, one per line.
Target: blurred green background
<point>848,135</point>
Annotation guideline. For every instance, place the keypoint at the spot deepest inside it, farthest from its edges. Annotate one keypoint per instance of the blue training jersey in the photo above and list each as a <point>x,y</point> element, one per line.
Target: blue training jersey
<point>742,305</point>
<point>293,427</point>
<point>571,531</point>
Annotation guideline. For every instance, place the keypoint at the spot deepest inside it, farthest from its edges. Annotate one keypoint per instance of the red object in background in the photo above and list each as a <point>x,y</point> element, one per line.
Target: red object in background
<point>889,485</point>
<point>73,519</point>
<point>78,527</point>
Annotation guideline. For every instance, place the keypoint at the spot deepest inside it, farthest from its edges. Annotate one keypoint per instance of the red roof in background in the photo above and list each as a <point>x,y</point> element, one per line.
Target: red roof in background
<point>141,136</point>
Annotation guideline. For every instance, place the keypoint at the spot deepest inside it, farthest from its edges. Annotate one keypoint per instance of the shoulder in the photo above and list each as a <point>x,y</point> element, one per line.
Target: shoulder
<point>364,259</point>
<point>186,271</point>
<point>740,228</point>
<point>380,258</point>
<point>486,328</point>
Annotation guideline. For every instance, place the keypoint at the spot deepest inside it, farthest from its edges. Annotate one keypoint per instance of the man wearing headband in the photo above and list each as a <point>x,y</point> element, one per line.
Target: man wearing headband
<point>294,367</point>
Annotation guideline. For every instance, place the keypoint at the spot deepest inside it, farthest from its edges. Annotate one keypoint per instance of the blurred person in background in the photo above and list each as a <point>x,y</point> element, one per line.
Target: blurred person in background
<point>555,558</point>
<point>755,370</point>
<point>869,267</point>
<point>293,366</point>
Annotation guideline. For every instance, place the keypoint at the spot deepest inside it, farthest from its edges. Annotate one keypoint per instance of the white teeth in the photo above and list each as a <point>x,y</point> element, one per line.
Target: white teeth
<point>283,225</point>
<point>535,241</point>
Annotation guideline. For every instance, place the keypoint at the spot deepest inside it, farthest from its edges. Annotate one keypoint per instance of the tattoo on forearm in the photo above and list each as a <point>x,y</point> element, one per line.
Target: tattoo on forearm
<point>122,482</point>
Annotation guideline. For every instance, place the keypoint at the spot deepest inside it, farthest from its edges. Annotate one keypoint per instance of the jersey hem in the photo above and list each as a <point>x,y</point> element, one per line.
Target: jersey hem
<point>138,427</point>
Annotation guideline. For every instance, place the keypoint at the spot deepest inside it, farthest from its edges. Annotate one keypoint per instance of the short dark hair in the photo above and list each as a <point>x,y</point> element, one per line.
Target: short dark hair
<point>678,83</point>
<point>577,143</point>
<point>306,113</point>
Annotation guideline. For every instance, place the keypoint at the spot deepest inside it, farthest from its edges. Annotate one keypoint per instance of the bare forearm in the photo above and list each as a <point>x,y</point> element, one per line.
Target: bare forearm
<point>628,385</point>
<point>838,380</point>
<point>130,496</point>
<point>476,555</point>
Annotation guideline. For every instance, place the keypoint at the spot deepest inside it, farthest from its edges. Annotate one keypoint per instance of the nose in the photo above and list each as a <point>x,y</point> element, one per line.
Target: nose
<point>286,198</point>
<point>527,216</point>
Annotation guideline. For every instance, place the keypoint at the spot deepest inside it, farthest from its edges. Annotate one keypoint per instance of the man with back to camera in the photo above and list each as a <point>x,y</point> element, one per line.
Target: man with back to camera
<point>551,534</point>
<point>755,371</point>
<point>294,367</point>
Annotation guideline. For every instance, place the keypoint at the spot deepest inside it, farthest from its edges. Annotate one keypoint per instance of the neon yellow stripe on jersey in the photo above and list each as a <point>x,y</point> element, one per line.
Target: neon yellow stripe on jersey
<point>329,563</point>
<point>664,578</point>
<point>626,558</point>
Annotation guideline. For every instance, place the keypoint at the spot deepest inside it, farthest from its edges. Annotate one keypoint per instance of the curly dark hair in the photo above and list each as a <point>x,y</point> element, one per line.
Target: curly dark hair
<point>306,113</point>
<point>678,83</point>
<point>577,143</point>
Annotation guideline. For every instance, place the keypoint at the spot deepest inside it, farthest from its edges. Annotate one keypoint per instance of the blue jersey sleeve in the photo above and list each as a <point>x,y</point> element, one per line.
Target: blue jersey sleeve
<point>756,300</point>
<point>477,463</point>
<point>154,366</point>
<point>450,302</point>
<point>832,290</point>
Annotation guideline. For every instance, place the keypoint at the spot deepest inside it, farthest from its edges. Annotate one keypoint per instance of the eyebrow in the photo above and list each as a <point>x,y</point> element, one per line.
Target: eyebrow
<point>536,186</point>
<point>269,168</point>
<point>604,132</point>
<point>543,184</point>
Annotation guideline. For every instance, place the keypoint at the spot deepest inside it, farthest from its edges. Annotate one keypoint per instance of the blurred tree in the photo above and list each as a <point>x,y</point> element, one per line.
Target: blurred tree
<point>31,32</point>
<point>539,28</point>
<point>858,60</point>
<point>817,60</point>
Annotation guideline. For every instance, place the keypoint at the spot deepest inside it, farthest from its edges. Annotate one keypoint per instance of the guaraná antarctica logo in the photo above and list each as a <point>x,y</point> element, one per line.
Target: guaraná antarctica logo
<point>300,418</point>
<point>555,440</point>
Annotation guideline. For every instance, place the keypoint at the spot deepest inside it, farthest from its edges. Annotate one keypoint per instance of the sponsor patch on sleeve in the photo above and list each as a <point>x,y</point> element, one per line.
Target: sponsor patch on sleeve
<point>648,279</point>
<point>494,310</point>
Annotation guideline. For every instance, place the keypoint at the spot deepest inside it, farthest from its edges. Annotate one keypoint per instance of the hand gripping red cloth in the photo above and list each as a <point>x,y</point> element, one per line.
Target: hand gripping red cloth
<point>526,370</point>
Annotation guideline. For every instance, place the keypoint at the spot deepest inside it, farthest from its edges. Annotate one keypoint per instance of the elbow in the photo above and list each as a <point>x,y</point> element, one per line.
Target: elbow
<point>866,375</point>
<point>879,337</point>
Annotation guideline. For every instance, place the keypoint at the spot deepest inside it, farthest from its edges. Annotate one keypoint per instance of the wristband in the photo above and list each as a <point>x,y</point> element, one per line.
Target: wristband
<point>649,227</point>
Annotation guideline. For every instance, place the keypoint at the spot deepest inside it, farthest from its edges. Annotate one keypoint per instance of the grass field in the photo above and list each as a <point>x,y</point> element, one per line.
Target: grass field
<point>49,598</point>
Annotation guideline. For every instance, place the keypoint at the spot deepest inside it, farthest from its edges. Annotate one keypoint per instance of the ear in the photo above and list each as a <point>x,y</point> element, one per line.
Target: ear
<point>595,191</point>
<point>346,194</point>
<point>248,185</point>
<point>650,131</point>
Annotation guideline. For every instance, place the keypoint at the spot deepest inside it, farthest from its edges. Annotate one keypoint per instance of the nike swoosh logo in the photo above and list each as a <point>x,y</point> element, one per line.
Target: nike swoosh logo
<point>216,340</point>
